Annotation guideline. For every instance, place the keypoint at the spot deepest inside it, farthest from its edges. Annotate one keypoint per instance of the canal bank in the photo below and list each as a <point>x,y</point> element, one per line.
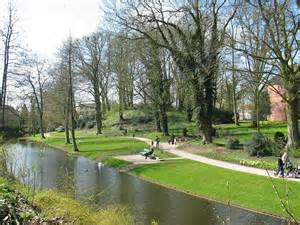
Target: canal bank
<point>245,190</point>
<point>146,201</point>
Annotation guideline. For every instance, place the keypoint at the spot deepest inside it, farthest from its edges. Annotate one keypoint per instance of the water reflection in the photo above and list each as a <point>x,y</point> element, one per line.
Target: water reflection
<point>55,169</point>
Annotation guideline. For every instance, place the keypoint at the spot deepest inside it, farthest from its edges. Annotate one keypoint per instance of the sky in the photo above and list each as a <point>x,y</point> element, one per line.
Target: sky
<point>45,24</point>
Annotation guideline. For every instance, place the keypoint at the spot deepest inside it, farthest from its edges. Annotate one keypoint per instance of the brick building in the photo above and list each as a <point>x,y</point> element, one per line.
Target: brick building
<point>277,104</point>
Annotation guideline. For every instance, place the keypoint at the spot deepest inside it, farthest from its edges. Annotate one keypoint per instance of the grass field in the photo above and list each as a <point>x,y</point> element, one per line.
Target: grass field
<point>93,146</point>
<point>241,189</point>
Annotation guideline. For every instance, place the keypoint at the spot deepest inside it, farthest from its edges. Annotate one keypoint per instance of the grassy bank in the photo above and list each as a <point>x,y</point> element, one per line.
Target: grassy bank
<point>241,189</point>
<point>53,207</point>
<point>95,147</point>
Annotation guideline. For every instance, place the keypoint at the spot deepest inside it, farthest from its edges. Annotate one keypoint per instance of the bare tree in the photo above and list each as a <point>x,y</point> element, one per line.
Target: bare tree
<point>8,35</point>
<point>33,80</point>
<point>279,19</point>
<point>67,61</point>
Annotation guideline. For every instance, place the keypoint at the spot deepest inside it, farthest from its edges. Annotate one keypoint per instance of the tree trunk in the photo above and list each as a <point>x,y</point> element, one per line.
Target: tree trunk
<point>157,120</point>
<point>103,104</point>
<point>71,96</point>
<point>41,124</point>
<point>164,120</point>
<point>234,101</point>
<point>292,122</point>
<point>67,118</point>
<point>8,36</point>
<point>98,108</point>
<point>189,113</point>
<point>207,133</point>
<point>257,111</point>
<point>67,134</point>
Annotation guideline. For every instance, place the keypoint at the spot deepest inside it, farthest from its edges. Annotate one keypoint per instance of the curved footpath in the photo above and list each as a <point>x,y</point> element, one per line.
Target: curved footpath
<point>213,162</point>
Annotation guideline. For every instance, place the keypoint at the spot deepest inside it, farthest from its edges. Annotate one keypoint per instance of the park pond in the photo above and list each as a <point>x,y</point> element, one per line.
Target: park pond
<point>48,168</point>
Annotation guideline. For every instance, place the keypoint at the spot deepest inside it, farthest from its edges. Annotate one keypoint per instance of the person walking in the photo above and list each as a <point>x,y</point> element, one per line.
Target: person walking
<point>157,142</point>
<point>280,170</point>
<point>173,139</point>
<point>285,159</point>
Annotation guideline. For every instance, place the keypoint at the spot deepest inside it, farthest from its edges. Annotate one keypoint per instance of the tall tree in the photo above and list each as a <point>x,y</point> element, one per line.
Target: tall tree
<point>33,79</point>
<point>194,39</point>
<point>159,85</point>
<point>90,53</point>
<point>67,57</point>
<point>279,19</point>
<point>8,35</point>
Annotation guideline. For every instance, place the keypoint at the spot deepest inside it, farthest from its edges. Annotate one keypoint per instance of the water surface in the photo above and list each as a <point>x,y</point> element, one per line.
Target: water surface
<point>49,168</point>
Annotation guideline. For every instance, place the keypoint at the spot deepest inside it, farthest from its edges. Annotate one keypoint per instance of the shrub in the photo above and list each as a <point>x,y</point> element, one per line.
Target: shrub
<point>259,146</point>
<point>279,137</point>
<point>233,143</point>
<point>184,132</point>
<point>82,124</point>
<point>90,125</point>
<point>295,152</point>
<point>11,132</point>
<point>222,116</point>
<point>259,164</point>
<point>279,143</point>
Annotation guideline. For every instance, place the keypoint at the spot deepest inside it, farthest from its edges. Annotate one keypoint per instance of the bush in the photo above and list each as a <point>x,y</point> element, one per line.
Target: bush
<point>279,137</point>
<point>279,143</point>
<point>233,143</point>
<point>259,164</point>
<point>222,116</point>
<point>81,124</point>
<point>12,132</point>
<point>184,132</point>
<point>259,146</point>
<point>295,152</point>
<point>90,125</point>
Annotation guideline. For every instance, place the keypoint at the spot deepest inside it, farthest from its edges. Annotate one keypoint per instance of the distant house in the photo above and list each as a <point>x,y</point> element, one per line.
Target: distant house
<point>86,109</point>
<point>277,103</point>
<point>245,112</point>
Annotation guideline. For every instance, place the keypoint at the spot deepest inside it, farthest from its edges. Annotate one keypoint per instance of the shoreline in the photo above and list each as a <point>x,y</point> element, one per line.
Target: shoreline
<point>127,169</point>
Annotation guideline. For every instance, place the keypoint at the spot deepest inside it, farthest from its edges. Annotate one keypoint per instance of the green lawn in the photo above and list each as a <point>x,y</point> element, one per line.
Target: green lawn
<point>93,146</point>
<point>245,190</point>
<point>245,131</point>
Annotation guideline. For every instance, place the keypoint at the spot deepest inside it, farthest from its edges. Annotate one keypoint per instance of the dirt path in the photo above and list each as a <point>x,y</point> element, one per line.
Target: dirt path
<point>213,162</point>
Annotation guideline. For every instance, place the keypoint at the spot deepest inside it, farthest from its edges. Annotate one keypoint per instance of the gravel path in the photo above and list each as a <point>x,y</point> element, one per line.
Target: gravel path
<point>213,162</point>
<point>137,159</point>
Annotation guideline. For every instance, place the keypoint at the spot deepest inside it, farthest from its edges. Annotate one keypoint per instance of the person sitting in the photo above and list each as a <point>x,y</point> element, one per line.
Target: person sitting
<point>148,154</point>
